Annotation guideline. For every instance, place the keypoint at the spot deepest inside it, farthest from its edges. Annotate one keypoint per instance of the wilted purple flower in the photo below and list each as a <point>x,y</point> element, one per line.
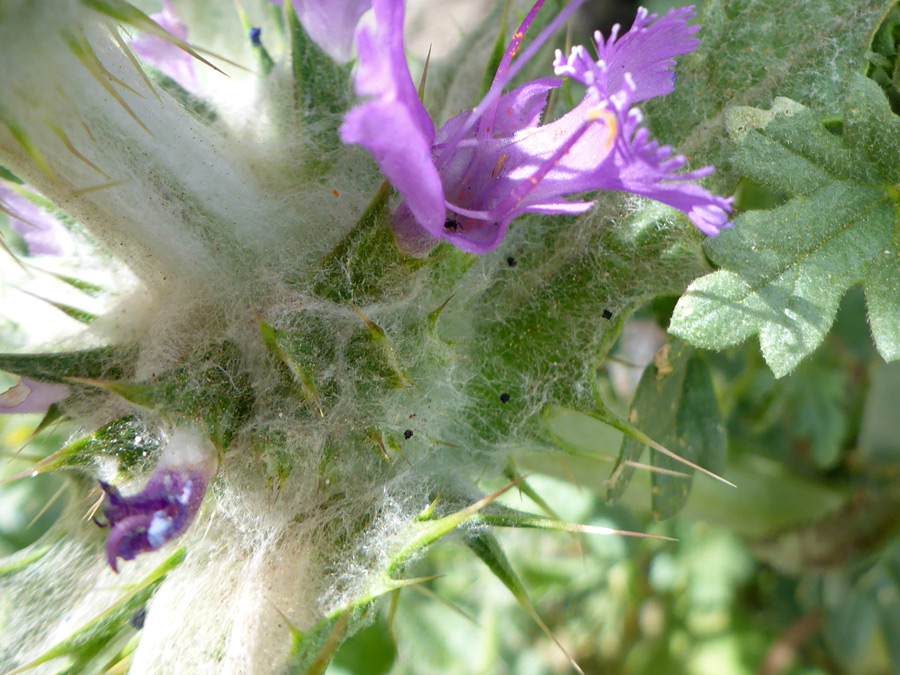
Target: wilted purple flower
<point>31,396</point>
<point>43,234</point>
<point>483,168</point>
<point>166,57</point>
<point>165,508</point>
<point>331,23</point>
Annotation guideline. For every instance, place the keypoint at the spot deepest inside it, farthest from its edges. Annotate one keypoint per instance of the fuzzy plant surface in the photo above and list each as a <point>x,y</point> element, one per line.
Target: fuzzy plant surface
<point>320,310</point>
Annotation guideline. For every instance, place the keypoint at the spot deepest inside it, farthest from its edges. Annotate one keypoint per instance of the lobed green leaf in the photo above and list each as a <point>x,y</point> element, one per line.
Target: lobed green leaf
<point>752,51</point>
<point>785,270</point>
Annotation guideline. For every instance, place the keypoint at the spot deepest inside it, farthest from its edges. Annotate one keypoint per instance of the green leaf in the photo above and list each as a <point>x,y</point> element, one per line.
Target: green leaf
<point>786,269</point>
<point>850,618</point>
<point>17,563</point>
<point>510,518</point>
<point>879,436</point>
<point>755,50</point>
<point>821,416</point>
<point>8,175</point>
<point>126,439</point>
<point>487,548</point>
<point>370,650</point>
<point>676,406</point>
<point>883,63</point>
<point>93,635</point>
<point>312,651</point>
<point>864,524</point>
<point>300,369</point>
<point>429,531</point>
<point>888,595</point>
<point>349,271</point>
<point>102,363</point>
<point>540,333</point>
<point>211,388</point>
<point>86,287</point>
<point>200,107</point>
<point>79,315</point>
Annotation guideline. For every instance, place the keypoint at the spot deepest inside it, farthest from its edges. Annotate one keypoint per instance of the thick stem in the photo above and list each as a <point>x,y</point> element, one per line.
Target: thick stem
<point>163,189</point>
<point>224,612</point>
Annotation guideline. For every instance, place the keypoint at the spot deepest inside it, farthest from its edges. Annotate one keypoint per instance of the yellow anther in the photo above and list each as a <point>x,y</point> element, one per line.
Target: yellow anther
<point>609,121</point>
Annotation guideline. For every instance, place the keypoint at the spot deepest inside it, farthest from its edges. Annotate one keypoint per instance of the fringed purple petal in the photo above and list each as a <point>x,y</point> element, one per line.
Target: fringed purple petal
<point>640,166</point>
<point>646,51</point>
<point>496,179</point>
<point>490,165</point>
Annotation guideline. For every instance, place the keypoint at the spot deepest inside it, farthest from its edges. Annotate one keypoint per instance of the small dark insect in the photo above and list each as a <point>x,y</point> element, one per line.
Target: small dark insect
<point>504,397</point>
<point>137,619</point>
<point>607,314</point>
<point>512,262</point>
<point>451,225</point>
<point>407,434</point>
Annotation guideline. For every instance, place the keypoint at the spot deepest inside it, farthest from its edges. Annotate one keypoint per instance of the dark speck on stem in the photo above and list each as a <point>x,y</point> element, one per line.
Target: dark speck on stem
<point>137,619</point>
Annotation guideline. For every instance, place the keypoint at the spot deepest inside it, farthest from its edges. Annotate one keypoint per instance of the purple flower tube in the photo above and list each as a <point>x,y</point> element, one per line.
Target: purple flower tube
<point>331,23</point>
<point>166,57</point>
<point>31,396</point>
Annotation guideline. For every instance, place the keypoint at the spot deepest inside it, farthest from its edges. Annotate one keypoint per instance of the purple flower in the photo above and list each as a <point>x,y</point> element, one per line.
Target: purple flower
<point>331,23</point>
<point>635,68</point>
<point>466,182</point>
<point>43,234</point>
<point>31,396</point>
<point>165,508</point>
<point>167,58</point>
<point>645,52</point>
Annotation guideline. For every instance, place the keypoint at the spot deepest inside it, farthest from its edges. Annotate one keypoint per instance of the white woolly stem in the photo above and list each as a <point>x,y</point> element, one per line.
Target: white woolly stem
<point>224,612</point>
<point>161,188</point>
